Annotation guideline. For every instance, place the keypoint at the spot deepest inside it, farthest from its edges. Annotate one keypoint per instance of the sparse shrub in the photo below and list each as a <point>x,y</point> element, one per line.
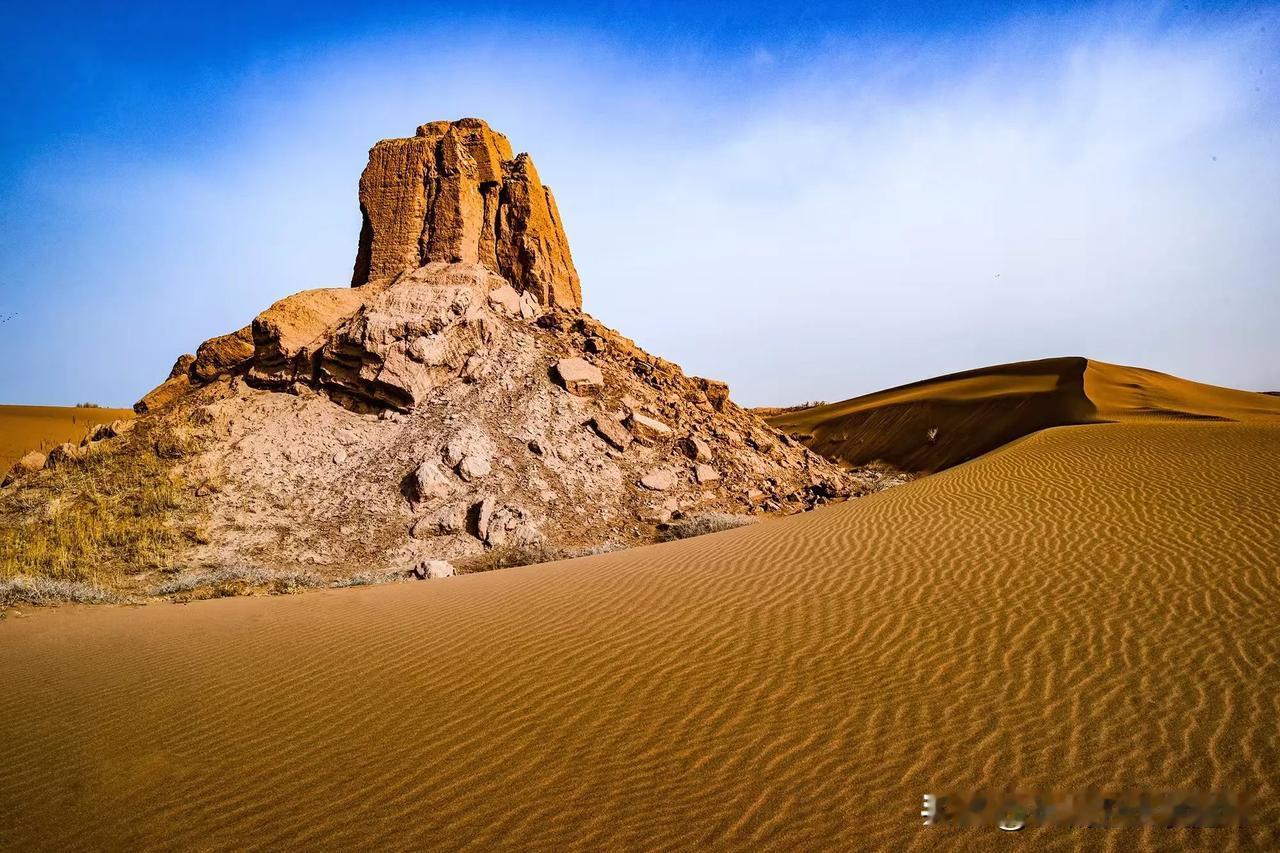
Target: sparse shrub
<point>223,582</point>
<point>33,589</point>
<point>369,579</point>
<point>700,525</point>
<point>933,435</point>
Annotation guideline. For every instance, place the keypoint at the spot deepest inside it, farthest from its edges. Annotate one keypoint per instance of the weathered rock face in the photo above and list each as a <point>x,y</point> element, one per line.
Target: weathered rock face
<point>410,338</point>
<point>222,355</point>
<point>455,194</point>
<point>164,394</point>
<point>287,336</point>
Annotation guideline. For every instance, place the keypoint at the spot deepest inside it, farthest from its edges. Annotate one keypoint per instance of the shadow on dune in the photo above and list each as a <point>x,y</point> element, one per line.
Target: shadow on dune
<point>939,423</point>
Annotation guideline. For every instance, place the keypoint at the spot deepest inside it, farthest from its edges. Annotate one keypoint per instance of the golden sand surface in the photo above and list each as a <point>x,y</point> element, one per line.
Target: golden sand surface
<point>27,428</point>
<point>936,423</point>
<point>1088,607</point>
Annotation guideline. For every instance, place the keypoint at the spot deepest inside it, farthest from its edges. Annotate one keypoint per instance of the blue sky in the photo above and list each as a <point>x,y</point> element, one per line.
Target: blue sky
<point>810,202</point>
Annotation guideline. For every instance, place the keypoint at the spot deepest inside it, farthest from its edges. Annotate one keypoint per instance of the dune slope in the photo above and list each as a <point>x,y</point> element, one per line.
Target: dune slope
<point>977,411</point>
<point>1090,606</point>
<point>26,428</point>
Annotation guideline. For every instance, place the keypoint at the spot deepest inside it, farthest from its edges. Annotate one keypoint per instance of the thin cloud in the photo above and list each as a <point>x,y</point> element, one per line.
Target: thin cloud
<point>846,217</point>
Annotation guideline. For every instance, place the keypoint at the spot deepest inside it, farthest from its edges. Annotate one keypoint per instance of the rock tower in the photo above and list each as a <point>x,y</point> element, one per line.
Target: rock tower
<point>454,193</point>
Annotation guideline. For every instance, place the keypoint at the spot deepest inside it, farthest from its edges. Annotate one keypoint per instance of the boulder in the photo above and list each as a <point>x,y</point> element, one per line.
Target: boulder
<point>659,480</point>
<point>717,392</point>
<point>482,510</point>
<point>611,431</point>
<point>578,376</point>
<point>506,299</point>
<point>706,475</point>
<point>429,482</point>
<point>222,355</point>
<point>648,430</point>
<point>454,193</point>
<point>696,449</point>
<point>530,308</point>
<point>182,366</point>
<point>431,569</point>
<point>288,334</point>
<point>28,464</point>
<point>163,394</point>
<point>62,454</point>
<point>473,467</point>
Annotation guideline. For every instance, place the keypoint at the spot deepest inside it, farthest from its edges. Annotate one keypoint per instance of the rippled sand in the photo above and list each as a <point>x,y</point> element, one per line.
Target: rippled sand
<point>1092,606</point>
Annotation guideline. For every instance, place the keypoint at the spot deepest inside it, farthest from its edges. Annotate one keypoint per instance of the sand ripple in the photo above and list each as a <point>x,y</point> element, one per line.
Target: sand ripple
<point>1090,607</point>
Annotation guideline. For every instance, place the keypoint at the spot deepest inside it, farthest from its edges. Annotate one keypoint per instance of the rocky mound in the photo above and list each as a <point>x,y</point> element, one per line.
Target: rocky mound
<point>456,401</point>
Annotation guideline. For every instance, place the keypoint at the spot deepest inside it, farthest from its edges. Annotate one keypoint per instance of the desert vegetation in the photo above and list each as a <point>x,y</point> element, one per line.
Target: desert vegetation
<point>701,525</point>
<point>94,519</point>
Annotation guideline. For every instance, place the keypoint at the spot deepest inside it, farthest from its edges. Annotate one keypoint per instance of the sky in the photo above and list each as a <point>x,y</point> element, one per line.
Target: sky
<point>809,201</point>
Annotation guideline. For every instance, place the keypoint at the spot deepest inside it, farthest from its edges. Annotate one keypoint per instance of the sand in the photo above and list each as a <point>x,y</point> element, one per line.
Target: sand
<point>27,428</point>
<point>1090,606</point>
<point>977,411</point>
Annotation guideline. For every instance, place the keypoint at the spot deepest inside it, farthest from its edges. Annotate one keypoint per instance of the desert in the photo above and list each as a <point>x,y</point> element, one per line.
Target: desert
<point>860,430</point>
<point>797,682</point>
<point>1073,593</point>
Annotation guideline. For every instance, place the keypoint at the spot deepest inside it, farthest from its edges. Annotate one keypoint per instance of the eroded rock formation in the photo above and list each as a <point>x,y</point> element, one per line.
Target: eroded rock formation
<point>454,193</point>
<point>457,400</point>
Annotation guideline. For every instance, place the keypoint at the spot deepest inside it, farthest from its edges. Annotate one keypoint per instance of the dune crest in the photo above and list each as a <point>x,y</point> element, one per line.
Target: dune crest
<point>937,423</point>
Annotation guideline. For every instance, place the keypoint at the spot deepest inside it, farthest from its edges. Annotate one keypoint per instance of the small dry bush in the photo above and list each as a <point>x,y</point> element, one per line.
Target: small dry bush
<point>95,518</point>
<point>700,525</point>
<point>370,578</point>
<point>223,582</point>
<point>38,590</point>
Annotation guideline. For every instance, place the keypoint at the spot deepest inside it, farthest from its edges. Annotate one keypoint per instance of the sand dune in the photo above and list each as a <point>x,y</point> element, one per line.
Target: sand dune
<point>979,410</point>
<point>27,428</point>
<point>1091,606</point>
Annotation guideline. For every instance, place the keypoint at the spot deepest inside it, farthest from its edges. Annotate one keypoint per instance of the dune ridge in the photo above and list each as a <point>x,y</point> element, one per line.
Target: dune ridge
<point>1089,607</point>
<point>936,423</point>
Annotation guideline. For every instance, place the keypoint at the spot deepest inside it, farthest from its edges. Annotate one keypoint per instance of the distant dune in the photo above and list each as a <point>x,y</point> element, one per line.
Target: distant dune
<point>937,423</point>
<point>1092,607</point>
<point>27,428</point>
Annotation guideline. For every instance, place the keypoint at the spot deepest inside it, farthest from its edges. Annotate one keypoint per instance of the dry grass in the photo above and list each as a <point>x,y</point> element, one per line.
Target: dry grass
<point>701,525</point>
<point>95,519</point>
